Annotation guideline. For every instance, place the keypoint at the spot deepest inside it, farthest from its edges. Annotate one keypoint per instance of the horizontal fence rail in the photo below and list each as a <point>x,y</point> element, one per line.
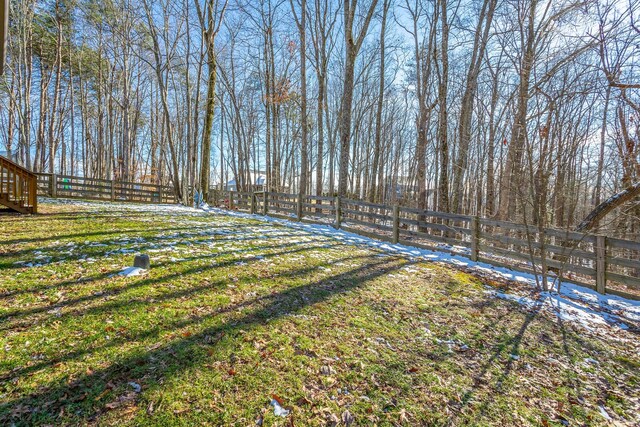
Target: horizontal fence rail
<point>604,264</point>
<point>75,187</point>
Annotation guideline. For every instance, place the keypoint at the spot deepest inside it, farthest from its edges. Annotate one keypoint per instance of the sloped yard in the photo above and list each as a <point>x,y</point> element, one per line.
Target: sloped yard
<point>243,322</point>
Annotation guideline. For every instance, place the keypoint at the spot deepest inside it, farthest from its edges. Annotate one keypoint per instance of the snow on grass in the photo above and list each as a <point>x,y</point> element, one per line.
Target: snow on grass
<point>132,271</point>
<point>573,303</point>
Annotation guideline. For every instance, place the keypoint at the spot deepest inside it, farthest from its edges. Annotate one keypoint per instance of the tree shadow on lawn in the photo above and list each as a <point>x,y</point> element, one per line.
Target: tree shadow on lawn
<point>589,347</point>
<point>54,217</point>
<point>141,283</point>
<point>139,249</point>
<point>570,382</point>
<point>71,216</point>
<point>479,379</point>
<point>130,304</point>
<point>80,396</point>
<point>96,250</point>
<point>575,385</point>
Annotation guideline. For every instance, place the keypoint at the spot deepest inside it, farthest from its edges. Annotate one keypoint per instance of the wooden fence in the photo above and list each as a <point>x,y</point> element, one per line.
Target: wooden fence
<point>605,264</point>
<point>54,185</point>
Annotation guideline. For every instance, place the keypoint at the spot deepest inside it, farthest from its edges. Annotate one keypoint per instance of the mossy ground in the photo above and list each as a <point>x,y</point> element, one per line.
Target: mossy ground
<point>236,311</point>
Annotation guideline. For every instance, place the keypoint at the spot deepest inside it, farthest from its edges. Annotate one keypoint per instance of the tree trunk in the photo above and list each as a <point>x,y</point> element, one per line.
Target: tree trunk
<point>510,180</point>
<point>304,155</point>
<point>592,220</point>
<point>210,21</point>
<point>374,194</point>
<point>466,107</point>
<point>443,142</point>
<point>351,51</point>
<point>205,156</point>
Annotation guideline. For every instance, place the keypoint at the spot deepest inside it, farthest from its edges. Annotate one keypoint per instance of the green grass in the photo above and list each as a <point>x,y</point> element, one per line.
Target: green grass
<point>235,311</point>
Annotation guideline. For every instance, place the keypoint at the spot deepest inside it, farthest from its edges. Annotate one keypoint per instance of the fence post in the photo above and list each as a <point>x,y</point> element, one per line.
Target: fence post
<point>265,207</point>
<point>475,238</point>
<point>601,264</point>
<point>253,203</point>
<point>113,191</point>
<point>230,200</point>
<point>396,224</point>
<point>53,185</point>
<point>299,207</point>
<point>33,194</point>
<point>338,212</point>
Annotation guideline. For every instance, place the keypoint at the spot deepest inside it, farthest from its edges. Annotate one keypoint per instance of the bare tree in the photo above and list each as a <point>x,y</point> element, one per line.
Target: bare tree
<point>353,43</point>
<point>210,21</point>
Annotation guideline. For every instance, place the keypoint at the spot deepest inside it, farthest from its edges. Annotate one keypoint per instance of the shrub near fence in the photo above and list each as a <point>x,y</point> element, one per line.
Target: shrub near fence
<point>604,264</point>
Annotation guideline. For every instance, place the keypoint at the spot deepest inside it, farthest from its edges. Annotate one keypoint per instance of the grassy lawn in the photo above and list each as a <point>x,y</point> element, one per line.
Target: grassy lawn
<point>235,313</point>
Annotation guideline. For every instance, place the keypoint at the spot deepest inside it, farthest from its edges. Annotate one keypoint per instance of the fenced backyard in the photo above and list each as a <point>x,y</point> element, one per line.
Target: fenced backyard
<point>242,321</point>
<point>605,264</point>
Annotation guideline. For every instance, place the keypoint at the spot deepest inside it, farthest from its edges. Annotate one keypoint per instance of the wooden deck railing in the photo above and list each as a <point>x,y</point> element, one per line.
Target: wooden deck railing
<point>605,264</point>
<point>18,187</point>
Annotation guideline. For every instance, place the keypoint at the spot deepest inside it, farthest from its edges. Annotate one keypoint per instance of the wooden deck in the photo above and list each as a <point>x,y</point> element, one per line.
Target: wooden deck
<point>18,187</point>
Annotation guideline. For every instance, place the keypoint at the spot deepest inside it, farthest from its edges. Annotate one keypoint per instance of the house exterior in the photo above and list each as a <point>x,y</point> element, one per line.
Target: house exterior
<point>258,181</point>
<point>404,188</point>
<point>401,186</point>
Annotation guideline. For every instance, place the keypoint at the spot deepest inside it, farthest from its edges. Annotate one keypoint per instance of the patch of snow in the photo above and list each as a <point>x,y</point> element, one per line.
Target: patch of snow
<point>604,413</point>
<point>591,361</point>
<point>56,311</point>
<point>135,386</point>
<point>278,410</point>
<point>132,271</point>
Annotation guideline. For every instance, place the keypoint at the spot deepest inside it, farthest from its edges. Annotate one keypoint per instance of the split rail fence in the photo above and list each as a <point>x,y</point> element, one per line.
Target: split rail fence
<point>76,187</point>
<point>605,264</point>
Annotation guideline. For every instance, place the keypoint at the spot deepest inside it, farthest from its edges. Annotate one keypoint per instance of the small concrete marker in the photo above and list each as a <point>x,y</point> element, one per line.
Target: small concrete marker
<point>142,261</point>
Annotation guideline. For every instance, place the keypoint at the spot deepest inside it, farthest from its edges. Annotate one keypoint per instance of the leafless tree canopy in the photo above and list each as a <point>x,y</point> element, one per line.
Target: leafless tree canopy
<point>523,110</point>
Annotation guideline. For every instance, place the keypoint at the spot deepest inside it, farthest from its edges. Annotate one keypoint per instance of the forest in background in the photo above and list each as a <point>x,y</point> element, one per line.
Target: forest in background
<point>522,110</point>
